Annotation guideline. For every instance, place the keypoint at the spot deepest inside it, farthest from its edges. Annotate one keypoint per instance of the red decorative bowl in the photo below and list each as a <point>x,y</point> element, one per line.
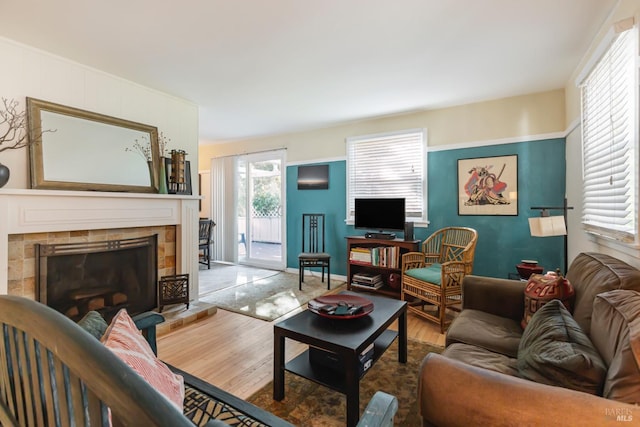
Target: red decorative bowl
<point>528,267</point>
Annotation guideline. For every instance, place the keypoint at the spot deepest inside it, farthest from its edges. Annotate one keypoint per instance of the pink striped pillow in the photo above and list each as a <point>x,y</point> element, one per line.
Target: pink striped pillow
<point>127,342</point>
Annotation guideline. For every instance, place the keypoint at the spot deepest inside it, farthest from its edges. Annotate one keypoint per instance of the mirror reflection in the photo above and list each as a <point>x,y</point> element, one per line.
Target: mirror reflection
<point>90,151</point>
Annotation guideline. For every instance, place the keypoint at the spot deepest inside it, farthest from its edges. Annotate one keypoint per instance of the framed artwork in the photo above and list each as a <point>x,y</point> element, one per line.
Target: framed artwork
<point>488,186</point>
<point>174,188</point>
<point>313,177</point>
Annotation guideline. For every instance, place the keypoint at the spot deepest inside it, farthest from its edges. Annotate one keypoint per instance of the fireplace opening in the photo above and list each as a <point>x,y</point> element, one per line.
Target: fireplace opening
<point>75,278</point>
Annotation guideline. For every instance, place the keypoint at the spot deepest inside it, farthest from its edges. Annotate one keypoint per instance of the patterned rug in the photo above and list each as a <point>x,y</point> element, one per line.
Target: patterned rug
<point>309,404</point>
<point>271,297</point>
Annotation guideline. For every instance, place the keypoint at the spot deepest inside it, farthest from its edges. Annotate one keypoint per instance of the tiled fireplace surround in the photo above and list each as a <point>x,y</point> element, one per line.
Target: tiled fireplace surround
<point>50,216</point>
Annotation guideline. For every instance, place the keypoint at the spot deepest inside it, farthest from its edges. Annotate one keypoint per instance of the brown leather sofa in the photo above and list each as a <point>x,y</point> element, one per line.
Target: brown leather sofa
<point>477,380</point>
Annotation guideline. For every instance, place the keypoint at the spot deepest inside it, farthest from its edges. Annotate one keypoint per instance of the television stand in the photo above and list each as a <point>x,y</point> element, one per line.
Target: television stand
<point>381,235</point>
<point>384,259</point>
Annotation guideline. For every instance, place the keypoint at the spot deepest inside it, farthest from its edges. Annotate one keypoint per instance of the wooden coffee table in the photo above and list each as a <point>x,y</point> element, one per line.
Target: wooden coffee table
<point>348,338</point>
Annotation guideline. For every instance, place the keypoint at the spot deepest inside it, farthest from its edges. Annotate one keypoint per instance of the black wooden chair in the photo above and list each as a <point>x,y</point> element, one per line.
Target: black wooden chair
<point>205,241</point>
<point>53,372</point>
<point>313,252</point>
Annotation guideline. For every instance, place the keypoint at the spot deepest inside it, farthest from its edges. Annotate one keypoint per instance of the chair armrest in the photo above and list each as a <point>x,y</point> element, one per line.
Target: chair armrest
<point>452,393</point>
<point>412,260</point>
<point>380,411</point>
<point>258,414</point>
<point>502,297</point>
<point>147,322</point>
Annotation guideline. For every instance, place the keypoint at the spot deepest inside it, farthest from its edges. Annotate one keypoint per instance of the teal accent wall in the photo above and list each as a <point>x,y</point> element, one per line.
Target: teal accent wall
<point>503,240</point>
<point>331,202</point>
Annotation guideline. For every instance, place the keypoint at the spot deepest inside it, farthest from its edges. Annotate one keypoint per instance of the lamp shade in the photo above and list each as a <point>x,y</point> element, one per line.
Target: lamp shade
<point>546,226</point>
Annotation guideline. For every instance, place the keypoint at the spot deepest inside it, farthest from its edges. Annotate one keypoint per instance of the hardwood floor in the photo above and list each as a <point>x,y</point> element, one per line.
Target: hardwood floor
<point>235,352</point>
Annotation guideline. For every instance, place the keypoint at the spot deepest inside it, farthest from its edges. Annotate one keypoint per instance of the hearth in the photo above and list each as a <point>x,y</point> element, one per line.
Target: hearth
<point>74,278</point>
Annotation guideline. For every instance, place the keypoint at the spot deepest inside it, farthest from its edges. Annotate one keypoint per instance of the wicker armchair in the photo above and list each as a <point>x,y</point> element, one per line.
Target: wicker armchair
<point>434,276</point>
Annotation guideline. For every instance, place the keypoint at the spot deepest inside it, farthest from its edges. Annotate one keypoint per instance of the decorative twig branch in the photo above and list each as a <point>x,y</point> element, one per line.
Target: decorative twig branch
<point>163,144</point>
<point>144,148</point>
<point>14,123</point>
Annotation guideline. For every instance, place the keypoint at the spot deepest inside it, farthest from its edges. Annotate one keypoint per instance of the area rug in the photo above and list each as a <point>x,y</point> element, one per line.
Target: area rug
<point>271,297</point>
<point>223,275</point>
<point>311,405</point>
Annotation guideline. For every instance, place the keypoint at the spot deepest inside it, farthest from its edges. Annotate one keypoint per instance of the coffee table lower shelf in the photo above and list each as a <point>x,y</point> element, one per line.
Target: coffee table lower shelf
<point>328,378</point>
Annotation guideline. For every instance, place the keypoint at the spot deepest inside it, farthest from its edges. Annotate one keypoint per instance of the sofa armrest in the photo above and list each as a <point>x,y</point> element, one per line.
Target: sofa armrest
<point>380,411</point>
<point>452,393</point>
<point>146,322</point>
<point>502,297</point>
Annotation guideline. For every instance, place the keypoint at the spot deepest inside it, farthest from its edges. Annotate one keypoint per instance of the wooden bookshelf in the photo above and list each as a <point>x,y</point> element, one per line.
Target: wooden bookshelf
<point>385,268</point>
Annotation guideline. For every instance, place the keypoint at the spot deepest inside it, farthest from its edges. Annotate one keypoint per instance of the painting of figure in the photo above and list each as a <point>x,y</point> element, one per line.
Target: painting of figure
<point>488,186</point>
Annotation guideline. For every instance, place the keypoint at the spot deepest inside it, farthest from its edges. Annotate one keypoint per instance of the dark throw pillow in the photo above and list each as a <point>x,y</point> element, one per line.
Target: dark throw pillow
<point>93,323</point>
<point>555,351</point>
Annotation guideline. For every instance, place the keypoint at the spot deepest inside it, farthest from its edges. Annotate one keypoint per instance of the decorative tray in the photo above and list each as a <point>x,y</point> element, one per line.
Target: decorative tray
<point>341,306</point>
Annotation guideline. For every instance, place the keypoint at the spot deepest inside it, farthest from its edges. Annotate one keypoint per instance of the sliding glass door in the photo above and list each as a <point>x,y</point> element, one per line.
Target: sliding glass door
<point>260,209</point>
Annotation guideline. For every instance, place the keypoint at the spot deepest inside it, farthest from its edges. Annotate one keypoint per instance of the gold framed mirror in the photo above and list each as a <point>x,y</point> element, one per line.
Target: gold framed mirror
<point>90,151</point>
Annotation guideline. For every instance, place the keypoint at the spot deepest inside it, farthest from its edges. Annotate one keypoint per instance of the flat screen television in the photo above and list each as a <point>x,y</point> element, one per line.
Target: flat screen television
<point>380,215</point>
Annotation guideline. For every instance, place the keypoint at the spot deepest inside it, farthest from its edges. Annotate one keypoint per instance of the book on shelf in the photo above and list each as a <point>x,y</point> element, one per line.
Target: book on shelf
<point>366,277</point>
<point>366,285</point>
<point>385,256</point>
<point>361,249</point>
<point>367,280</point>
<point>360,255</point>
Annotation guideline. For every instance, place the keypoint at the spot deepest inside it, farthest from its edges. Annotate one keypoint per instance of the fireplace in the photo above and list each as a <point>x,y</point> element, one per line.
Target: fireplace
<point>74,278</point>
<point>30,216</point>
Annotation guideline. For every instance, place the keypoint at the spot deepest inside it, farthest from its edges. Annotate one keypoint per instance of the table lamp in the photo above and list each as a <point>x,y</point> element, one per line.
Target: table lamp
<point>547,226</point>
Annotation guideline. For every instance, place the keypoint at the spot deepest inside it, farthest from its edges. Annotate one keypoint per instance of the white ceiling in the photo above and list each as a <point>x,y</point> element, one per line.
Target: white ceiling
<point>261,67</point>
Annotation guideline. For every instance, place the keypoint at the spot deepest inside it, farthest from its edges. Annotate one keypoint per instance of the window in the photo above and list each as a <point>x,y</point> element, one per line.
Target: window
<point>389,165</point>
<point>610,141</point>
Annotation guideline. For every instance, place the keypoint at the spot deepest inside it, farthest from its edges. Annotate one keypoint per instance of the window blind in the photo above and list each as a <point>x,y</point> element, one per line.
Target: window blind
<point>610,142</point>
<point>389,165</point>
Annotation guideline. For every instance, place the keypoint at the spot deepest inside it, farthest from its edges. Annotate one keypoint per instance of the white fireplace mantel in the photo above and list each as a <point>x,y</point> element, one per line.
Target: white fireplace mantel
<point>38,211</point>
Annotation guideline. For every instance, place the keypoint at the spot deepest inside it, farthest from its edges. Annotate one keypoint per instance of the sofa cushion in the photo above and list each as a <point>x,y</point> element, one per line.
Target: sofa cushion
<point>615,331</point>
<point>126,341</point>
<point>494,333</point>
<point>431,274</point>
<point>555,351</point>
<point>594,273</point>
<point>482,358</point>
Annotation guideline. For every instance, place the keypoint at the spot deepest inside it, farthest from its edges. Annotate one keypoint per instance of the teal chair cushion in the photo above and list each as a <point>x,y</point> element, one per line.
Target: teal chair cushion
<point>93,323</point>
<point>431,274</point>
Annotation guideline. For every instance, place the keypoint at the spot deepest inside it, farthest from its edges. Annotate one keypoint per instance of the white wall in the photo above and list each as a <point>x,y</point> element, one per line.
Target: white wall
<point>29,72</point>
<point>205,189</point>
<point>579,240</point>
<point>514,118</point>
